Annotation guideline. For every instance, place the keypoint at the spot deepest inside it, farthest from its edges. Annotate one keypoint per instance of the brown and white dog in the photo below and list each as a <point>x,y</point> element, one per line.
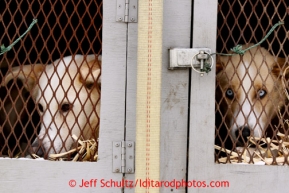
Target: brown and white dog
<point>67,93</point>
<point>249,93</point>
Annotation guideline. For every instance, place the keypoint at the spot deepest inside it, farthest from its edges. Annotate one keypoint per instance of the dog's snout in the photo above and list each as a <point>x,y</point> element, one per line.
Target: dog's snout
<point>37,149</point>
<point>242,134</point>
<point>246,132</point>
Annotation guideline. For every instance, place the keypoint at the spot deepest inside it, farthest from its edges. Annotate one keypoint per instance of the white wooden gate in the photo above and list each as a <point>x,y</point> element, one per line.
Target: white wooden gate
<point>187,112</point>
<point>208,176</point>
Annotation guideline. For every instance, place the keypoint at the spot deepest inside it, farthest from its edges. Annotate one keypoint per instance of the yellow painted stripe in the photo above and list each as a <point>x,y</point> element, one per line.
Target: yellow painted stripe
<point>150,25</point>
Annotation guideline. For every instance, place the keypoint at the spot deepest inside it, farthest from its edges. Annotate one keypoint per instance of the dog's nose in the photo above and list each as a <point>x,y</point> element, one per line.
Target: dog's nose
<point>37,149</point>
<point>246,132</point>
<point>242,134</point>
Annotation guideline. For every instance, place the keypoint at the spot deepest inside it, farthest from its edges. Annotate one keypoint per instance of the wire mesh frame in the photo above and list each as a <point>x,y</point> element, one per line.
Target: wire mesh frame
<point>64,28</point>
<point>243,22</point>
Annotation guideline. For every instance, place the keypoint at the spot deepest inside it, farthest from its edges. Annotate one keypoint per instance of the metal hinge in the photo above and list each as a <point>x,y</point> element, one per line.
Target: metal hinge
<point>123,157</point>
<point>126,11</point>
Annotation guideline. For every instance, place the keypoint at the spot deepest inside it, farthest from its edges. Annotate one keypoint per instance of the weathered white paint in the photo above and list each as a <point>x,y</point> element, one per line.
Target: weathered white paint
<point>174,102</point>
<point>46,176</point>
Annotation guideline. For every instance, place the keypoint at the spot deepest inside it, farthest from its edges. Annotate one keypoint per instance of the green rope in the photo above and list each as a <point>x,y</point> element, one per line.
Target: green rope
<point>238,49</point>
<point>6,49</point>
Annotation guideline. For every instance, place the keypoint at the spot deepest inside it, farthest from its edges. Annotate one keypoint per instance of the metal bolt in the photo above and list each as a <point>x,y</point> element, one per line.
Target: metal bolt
<point>129,145</point>
<point>202,56</point>
<point>130,157</point>
<point>115,157</point>
<point>129,170</point>
<point>117,170</point>
<point>117,145</point>
<point>132,19</point>
<point>120,19</point>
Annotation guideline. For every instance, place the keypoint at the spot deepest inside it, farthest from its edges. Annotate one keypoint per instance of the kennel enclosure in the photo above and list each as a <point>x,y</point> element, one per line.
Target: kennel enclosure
<point>187,112</point>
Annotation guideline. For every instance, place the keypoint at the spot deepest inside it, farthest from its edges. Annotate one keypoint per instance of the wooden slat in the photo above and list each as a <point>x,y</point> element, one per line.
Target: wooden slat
<point>202,108</point>
<point>175,85</point>
<point>131,91</point>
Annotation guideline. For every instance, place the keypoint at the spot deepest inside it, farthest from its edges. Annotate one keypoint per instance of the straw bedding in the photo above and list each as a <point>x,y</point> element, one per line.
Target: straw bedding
<point>86,151</point>
<point>261,151</point>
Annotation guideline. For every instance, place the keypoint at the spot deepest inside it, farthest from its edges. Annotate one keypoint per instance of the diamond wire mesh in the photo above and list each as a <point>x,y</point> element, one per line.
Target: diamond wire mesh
<point>65,27</point>
<point>242,22</point>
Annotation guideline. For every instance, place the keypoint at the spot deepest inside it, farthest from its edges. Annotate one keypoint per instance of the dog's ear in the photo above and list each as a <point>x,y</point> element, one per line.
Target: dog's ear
<point>279,68</point>
<point>28,74</point>
<point>90,72</point>
<point>219,64</point>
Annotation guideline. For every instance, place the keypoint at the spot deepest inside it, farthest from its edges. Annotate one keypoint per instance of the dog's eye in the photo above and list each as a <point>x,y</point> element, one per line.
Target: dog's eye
<point>40,107</point>
<point>262,93</point>
<point>66,107</point>
<point>230,93</point>
<point>89,85</point>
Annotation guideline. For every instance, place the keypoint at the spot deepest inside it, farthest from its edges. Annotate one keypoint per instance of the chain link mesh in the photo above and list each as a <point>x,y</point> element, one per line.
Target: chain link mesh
<point>64,27</point>
<point>242,85</point>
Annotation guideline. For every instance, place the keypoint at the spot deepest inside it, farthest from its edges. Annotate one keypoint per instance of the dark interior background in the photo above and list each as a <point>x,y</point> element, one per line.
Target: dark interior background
<point>64,27</point>
<point>243,21</point>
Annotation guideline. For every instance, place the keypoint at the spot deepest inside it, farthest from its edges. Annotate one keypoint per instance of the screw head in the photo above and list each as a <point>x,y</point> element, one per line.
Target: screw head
<point>129,170</point>
<point>120,19</point>
<point>129,145</point>
<point>117,145</point>
<point>117,170</point>
<point>132,19</point>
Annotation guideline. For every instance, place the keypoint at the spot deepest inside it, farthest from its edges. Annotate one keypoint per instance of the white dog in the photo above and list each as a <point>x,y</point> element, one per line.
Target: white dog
<point>67,93</point>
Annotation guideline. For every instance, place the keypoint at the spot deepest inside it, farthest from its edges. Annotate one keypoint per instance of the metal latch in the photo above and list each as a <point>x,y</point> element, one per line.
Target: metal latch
<point>123,157</point>
<point>199,59</point>
<point>126,11</point>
